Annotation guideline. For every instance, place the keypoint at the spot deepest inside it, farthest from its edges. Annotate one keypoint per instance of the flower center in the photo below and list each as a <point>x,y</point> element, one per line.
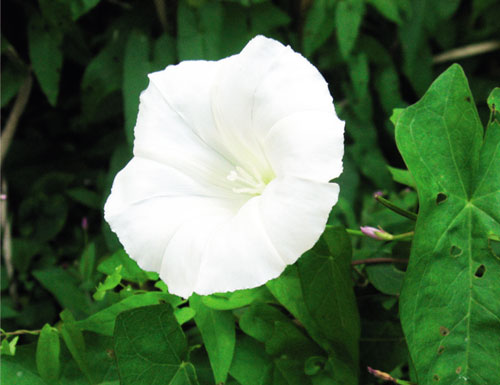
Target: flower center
<point>246,182</point>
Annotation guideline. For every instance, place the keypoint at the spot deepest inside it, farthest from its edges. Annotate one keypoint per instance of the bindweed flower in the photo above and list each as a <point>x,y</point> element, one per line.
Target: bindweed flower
<point>229,182</point>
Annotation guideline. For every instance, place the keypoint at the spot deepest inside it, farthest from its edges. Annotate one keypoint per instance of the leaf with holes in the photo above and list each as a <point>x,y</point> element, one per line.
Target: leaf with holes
<point>449,301</point>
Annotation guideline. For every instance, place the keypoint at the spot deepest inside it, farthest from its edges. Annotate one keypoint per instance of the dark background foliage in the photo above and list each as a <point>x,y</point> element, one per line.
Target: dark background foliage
<point>88,61</point>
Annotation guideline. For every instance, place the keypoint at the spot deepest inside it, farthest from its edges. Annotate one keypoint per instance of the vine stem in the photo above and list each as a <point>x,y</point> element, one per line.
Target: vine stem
<point>16,112</point>
<point>398,237</point>
<point>387,377</point>
<point>161,10</point>
<point>398,210</point>
<point>466,51</point>
<point>379,260</point>
<point>20,332</point>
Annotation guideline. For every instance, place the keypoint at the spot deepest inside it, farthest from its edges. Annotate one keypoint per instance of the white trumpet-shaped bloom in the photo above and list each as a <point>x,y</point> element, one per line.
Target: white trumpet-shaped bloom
<point>229,182</point>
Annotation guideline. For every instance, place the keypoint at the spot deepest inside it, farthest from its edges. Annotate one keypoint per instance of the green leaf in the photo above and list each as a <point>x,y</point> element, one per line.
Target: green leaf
<point>290,349</point>
<point>150,347</point>
<point>109,283</point>
<point>46,57</point>
<point>65,287</point>
<point>494,105</point>
<point>86,197</point>
<point>8,348</point>
<point>199,30</point>
<point>87,262</point>
<point>184,314</point>
<point>318,25</point>
<point>259,319</point>
<point>15,372</point>
<point>22,369</point>
<point>388,8</point>
<point>102,76</point>
<point>251,365</point>
<point>81,7</point>
<point>75,342</point>
<point>164,52</point>
<point>449,302</point>
<point>47,354</point>
<point>385,277</point>
<point>288,291</point>
<point>348,16</point>
<point>327,269</point>
<point>236,299</point>
<point>136,66</point>
<point>265,17</point>
<point>103,322</point>
<point>130,270</point>
<point>417,63</point>
<point>402,176</point>
<point>217,330</point>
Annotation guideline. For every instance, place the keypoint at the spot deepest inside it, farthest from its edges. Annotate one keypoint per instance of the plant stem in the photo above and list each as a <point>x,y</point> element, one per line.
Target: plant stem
<point>358,233</point>
<point>466,51</point>
<point>378,260</point>
<point>16,112</point>
<point>397,209</point>
<point>20,332</point>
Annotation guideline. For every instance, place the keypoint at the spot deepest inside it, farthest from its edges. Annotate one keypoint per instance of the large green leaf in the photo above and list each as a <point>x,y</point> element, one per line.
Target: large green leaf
<point>450,310</point>
<point>332,320</point>
<point>150,348</point>
<point>325,274</point>
<point>217,329</point>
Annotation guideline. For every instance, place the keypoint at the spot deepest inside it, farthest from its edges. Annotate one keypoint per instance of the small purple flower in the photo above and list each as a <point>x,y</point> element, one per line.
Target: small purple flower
<point>378,193</point>
<point>85,223</point>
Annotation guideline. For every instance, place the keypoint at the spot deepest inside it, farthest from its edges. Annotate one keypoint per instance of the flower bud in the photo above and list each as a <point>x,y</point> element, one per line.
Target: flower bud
<point>379,234</point>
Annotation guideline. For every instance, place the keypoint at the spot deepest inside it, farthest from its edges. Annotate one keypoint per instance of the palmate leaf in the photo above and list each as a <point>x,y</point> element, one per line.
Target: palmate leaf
<point>450,307</point>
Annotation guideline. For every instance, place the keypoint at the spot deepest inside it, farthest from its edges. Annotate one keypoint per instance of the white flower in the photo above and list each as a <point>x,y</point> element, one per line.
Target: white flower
<point>229,180</point>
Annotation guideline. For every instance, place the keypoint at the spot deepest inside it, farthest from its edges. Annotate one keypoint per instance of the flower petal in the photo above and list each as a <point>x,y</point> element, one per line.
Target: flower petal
<point>265,83</point>
<point>239,254</point>
<point>294,213</point>
<point>175,121</point>
<point>150,201</point>
<point>268,233</point>
<point>307,144</point>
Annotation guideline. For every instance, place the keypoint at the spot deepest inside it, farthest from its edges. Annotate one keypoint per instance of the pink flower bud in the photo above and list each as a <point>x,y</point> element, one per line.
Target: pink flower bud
<point>85,223</point>
<point>379,234</point>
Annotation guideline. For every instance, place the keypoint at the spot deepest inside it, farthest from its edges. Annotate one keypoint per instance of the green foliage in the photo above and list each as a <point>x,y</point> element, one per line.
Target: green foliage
<point>45,56</point>
<point>47,354</point>
<point>450,325</point>
<point>151,348</point>
<point>217,329</point>
<point>93,316</point>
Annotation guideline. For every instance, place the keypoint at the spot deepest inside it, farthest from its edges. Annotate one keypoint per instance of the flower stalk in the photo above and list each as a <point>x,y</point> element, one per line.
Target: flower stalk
<point>398,210</point>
